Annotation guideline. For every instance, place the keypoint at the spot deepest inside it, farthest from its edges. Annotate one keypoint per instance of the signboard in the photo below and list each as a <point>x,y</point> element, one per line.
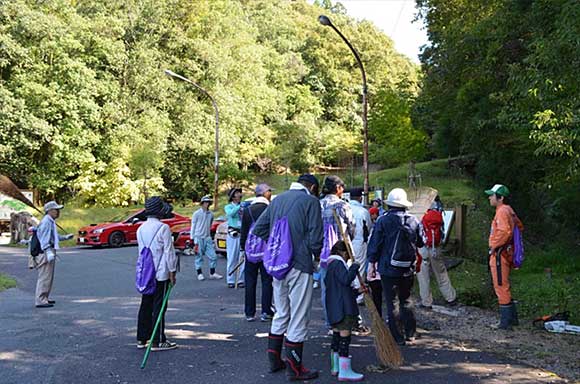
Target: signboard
<point>9,205</point>
<point>448,220</point>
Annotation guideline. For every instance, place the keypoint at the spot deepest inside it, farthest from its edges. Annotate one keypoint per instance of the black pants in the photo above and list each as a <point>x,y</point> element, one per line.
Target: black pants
<point>148,313</point>
<point>377,293</point>
<point>399,288</point>
<point>251,282</point>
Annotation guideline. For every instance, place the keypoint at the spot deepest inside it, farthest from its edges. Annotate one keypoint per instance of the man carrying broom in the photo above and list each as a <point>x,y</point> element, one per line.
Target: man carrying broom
<point>157,237</point>
<point>393,245</point>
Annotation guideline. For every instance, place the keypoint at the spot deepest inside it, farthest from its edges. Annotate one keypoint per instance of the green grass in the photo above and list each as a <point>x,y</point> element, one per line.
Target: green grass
<point>6,282</point>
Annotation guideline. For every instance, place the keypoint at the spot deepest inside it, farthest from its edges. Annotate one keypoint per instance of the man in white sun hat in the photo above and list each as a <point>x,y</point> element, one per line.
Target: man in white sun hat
<point>393,245</point>
<point>49,242</point>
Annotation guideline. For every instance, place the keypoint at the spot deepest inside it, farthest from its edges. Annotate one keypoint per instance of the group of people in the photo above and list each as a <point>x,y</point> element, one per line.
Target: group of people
<point>387,247</point>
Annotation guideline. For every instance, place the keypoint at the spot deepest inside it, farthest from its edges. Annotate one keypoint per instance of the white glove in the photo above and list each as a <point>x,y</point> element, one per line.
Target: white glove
<point>50,254</point>
<point>69,236</point>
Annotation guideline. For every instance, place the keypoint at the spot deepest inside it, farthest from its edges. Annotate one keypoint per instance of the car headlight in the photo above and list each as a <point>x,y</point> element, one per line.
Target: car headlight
<point>98,231</point>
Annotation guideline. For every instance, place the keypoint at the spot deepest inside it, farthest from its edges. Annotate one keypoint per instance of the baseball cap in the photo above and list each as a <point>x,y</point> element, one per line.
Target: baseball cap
<point>206,199</point>
<point>52,205</point>
<point>498,189</point>
<point>356,192</point>
<point>263,188</point>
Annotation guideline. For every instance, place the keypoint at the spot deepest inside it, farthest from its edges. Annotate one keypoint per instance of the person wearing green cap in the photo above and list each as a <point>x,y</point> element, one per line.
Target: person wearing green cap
<point>501,253</point>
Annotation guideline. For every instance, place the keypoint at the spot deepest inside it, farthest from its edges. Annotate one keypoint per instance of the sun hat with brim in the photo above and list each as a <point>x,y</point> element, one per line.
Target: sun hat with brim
<point>155,206</point>
<point>206,199</point>
<point>498,189</point>
<point>52,205</point>
<point>232,193</point>
<point>398,198</point>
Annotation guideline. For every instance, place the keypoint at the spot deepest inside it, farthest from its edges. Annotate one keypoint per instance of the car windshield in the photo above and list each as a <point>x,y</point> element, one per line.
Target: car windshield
<point>122,216</point>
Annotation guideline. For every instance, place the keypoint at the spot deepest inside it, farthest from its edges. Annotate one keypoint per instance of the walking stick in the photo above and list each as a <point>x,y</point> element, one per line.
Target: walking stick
<point>238,265</point>
<point>242,259</point>
<point>156,326</point>
<point>388,352</point>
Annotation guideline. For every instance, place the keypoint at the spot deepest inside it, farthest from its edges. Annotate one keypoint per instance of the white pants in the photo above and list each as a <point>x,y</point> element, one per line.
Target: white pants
<point>293,300</point>
<point>360,255</point>
<point>432,260</point>
<point>233,256</point>
<point>45,279</point>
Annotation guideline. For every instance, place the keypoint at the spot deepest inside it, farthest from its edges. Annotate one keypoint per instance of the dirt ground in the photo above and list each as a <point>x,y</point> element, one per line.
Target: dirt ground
<point>470,328</point>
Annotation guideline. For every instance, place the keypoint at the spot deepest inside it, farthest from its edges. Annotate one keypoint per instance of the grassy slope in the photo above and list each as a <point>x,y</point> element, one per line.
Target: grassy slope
<point>6,282</point>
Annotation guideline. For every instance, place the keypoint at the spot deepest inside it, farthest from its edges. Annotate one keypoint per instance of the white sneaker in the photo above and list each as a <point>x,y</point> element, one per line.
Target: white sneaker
<point>201,277</point>
<point>215,276</point>
<point>316,285</point>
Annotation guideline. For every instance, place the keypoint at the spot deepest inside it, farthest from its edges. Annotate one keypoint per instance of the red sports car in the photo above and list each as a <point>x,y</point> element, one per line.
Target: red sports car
<point>181,233</point>
<point>121,229</point>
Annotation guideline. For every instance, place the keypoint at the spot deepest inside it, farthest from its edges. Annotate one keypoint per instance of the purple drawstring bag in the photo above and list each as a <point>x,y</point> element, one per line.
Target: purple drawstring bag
<point>278,252</point>
<point>330,238</point>
<point>518,258</point>
<point>145,277</point>
<point>254,247</point>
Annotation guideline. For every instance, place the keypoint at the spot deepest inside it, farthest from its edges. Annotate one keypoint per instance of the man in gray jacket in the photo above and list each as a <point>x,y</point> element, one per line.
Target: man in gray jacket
<point>49,243</point>
<point>293,294</point>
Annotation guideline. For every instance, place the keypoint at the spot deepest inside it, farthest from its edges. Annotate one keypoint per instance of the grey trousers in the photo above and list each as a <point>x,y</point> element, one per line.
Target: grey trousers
<point>45,279</point>
<point>433,261</point>
<point>293,301</point>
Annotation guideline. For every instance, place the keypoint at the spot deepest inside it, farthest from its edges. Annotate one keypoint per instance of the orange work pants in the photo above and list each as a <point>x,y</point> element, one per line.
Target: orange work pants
<point>500,275</point>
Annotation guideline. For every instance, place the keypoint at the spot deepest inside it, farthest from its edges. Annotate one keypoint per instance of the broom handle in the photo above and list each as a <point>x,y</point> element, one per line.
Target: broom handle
<point>156,326</point>
<point>348,248</point>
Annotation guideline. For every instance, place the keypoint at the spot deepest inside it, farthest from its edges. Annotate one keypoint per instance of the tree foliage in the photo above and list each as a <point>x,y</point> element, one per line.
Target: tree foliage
<point>501,82</point>
<point>85,109</point>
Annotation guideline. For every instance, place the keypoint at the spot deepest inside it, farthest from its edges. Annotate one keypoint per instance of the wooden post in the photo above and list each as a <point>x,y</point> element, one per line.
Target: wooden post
<point>460,227</point>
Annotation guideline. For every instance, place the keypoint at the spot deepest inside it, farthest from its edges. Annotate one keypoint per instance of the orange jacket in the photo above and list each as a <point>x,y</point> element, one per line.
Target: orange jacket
<point>502,226</point>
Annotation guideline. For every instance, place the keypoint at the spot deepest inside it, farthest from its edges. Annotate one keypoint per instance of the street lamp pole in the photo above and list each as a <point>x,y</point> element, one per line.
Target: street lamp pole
<point>324,20</point>
<point>217,134</point>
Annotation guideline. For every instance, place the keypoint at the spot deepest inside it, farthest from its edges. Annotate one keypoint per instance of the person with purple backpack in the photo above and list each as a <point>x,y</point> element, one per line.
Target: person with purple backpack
<point>254,264</point>
<point>292,222</point>
<point>332,202</point>
<point>155,236</point>
<point>502,249</point>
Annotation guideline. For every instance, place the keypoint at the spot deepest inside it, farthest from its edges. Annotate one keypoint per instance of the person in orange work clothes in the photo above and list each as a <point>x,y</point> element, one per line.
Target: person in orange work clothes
<point>501,253</point>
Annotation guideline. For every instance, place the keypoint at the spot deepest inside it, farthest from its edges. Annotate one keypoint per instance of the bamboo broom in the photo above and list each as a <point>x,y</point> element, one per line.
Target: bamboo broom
<point>388,353</point>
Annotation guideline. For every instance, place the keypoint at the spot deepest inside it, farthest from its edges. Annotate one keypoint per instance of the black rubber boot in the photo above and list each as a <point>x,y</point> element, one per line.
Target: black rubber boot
<point>505,312</point>
<point>275,352</point>
<point>514,314</point>
<point>295,370</point>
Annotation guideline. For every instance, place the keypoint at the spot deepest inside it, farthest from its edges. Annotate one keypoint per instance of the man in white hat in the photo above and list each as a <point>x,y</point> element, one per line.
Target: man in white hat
<point>49,242</point>
<point>201,237</point>
<point>393,246</point>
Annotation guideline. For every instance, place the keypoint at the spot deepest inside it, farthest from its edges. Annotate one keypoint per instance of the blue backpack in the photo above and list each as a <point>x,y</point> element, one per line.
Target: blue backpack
<point>518,258</point>
<point>145,277</point>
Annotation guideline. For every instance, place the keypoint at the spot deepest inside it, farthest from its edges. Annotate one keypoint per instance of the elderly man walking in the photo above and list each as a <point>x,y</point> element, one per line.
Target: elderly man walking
<point>156,235</point>
<point>49,243</point>
<point>293,294</point>
<point>200,234</point>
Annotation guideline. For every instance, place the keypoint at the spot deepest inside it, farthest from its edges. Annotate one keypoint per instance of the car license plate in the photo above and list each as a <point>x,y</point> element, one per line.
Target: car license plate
<point>81,239</point>
<point>221,244</point>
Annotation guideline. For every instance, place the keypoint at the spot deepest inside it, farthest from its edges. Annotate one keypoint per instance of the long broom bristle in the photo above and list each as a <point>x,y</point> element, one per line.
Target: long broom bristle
<point>388,351</point>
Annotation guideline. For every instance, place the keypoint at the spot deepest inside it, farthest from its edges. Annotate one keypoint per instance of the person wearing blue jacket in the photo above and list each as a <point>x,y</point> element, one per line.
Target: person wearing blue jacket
<point>341,311</point>
<point>393,244</point>
<point>234,216</point>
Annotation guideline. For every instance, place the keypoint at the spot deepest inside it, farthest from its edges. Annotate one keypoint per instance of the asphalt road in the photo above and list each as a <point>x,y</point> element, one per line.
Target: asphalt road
<point>89,336</point>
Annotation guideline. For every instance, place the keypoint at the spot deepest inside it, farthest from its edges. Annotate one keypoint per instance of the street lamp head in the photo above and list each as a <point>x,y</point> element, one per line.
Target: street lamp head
<point>324,20</point>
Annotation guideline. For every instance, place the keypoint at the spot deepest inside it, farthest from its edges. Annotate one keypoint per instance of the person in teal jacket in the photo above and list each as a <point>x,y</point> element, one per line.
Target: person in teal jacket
<point>234,216</point>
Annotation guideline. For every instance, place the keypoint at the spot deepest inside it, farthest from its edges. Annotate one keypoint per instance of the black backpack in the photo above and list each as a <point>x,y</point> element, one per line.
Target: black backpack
<point>35,249</point>
<point>403,254</point>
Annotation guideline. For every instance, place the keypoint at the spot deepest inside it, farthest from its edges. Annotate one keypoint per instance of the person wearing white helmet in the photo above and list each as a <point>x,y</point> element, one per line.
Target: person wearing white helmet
<point>200,234</point>
<point>393,245</point>
<point>49,243</point>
